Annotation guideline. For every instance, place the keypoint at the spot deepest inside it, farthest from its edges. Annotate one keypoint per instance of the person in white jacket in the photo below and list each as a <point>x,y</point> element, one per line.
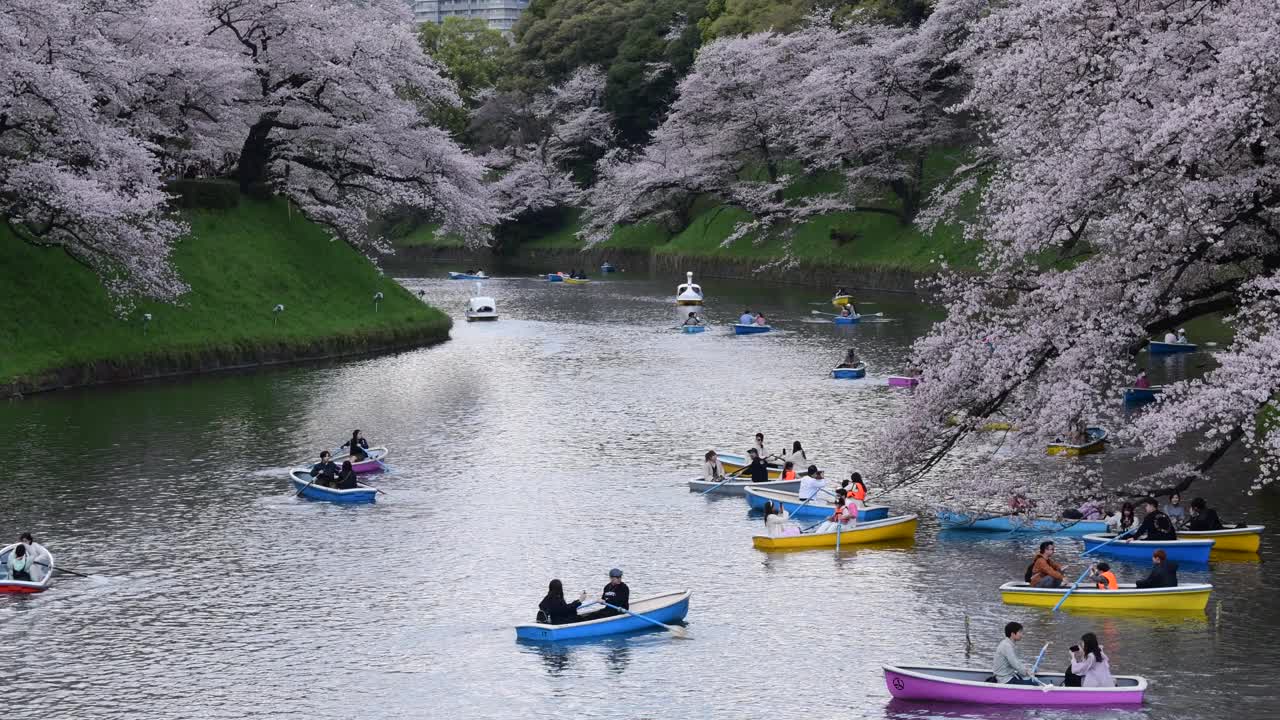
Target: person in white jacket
<point>1090,663</point>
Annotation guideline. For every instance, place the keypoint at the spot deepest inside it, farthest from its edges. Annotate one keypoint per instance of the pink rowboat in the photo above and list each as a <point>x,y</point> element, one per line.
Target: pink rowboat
<point>967,685</point>
<point>903,381</point>
<point>372,464</point>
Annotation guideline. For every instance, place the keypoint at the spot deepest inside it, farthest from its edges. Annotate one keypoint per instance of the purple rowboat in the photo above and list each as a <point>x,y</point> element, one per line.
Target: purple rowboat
<point>903,381</point>
<point>371,464</point>
<point>968,685</point>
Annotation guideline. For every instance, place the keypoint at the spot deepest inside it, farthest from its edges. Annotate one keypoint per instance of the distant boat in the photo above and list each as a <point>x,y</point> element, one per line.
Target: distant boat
<point>903,381</point>
<point>902,527</point>
<point>576,281</point>
<point>556,277</point>
<point>482,308</point>
<point>691,329</point>
<point>1166,348</point>
<point>666,609</point>
<point>1137,396</point>
<point>1095,444</point>
<point>850,373</point>
<point>311,490</point>
<point>689,292</point>
<point>1017,523</point>
<point>607,268</point>
<point>841,300</point>
<point>739,329</point>
<point>40,569</point>
<point>468,276</point>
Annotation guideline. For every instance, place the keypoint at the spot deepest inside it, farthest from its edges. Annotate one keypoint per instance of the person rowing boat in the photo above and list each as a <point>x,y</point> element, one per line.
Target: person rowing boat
<point>359,447</point>
<point>758,467</point>
<point>693,320</point>
<point>326,471</point>
<point>1155,525</point>
<point>851,359</point>
<point>615,593</point>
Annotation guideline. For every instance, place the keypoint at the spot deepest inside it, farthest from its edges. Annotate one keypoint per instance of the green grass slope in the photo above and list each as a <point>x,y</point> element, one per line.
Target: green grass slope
<point>239,263</point>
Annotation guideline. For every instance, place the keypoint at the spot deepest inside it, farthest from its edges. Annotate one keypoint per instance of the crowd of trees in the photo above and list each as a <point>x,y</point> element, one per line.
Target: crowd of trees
<point>1119,174</point>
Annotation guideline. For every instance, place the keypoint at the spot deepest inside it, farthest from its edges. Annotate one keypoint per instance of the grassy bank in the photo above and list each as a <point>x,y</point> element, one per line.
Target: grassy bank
<point>60,327</point>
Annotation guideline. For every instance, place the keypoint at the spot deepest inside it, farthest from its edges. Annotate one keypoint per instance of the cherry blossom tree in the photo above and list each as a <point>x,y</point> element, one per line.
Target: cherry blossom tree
<point>1128,182</point>
<point>538,142</point>
<point>79,166</point>
<point>333,114</point>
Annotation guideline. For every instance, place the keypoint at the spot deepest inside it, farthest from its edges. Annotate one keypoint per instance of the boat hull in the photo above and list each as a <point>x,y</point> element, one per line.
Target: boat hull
<point>1185,597</point>
<point>1164,348</point>
<point>750,329</point>
<point>965,685</point>
<point>666,609</point>
<point>576,281</point>
<point>301,480</point>
<point>1138,396</point>
<point>371,464</point>
<point>739,487</point>
<point>1240,540</point>
<point>902,381</point>
<point>1097,443</point>
<point>1017,523</point>
<point>479,316</point>
<point>1183,551</point>
<point>845,320</point>
<point>689,301</point>
<point>608,269</point>
<point>465,276</point>
<point>693,329</point>
<point>894,528</point>
<point>853,373</point>
<point>555,277</point>
<point>815,509</point>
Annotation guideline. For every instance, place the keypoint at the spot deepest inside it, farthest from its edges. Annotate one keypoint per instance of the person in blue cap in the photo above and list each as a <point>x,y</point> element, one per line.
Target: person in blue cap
<point>616,593</point>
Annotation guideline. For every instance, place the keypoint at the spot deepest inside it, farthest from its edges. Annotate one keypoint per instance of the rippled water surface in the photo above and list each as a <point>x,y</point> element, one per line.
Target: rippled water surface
<point>554,443</point>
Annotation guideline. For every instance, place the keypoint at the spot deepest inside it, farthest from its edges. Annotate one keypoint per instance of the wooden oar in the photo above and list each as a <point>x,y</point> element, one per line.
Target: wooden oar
<point>1080,579</point>
<point>675,630</point>
<point>59,568</point>
<point>727,478</point>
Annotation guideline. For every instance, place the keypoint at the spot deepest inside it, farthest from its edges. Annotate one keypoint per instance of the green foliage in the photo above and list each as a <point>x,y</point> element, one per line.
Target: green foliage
<point>204,194</point>
<point>472,55</point>
<point>644,47</point>
<point>728,18</point>
<point>239,263</point>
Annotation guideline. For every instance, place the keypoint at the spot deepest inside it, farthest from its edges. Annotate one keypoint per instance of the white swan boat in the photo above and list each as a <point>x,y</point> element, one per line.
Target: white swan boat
<point>689,292</point>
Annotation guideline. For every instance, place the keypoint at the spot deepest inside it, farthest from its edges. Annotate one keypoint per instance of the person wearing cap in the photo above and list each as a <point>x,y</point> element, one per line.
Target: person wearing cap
<point>616,593</point>
<point>758,468</point>
<point>1182,336</point>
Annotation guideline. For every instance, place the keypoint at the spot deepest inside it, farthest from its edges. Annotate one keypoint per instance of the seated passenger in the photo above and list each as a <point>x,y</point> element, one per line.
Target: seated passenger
<point>553,610</point>
<point>1164,572</point>
<point>347,478</point>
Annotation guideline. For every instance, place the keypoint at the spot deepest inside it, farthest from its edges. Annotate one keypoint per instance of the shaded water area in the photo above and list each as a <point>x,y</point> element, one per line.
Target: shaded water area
<point>554,443</point>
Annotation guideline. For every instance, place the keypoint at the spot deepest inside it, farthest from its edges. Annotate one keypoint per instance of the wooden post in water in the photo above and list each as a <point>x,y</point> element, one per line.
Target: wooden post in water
<point>968,641</point>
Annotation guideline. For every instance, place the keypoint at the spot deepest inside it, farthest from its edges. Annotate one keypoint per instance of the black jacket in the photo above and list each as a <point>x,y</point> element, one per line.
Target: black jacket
<point>759,470</point>
<point>1207,520</point>
<point>325,468</point>
<point>347,480</point>
<point>1163,575</point>
<point>1155,526</point>
<point>358,450</point>
<point>619,595</point>
<point>556,611</point>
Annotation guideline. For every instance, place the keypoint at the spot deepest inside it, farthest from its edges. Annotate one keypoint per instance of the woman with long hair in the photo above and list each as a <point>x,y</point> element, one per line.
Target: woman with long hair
<point>554,610</point>
<point>1089,662</point>
<point>797,456</point>
<point>358,446</point>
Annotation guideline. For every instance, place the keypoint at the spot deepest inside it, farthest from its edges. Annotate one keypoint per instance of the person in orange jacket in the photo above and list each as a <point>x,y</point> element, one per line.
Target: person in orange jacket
<point>1045,571</point>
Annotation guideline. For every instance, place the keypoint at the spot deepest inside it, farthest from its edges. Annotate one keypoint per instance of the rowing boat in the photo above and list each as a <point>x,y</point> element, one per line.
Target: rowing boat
<point>302,481</point>
<point>850,373</point>
<point>371,464</point>
<point>894,528</point>
<point>740,329</point>
<point>467,276</point>
<point>1017,523</point>
<point>733,463</point>
<point>40,568</point>
<point>607,268</point>
<point>1247,539</point>
<point>1137,396</point>
<point>666,609</point>
<point>576,281</point>
<point>1165,348</point>
<point>738,486</point>
<point>817,508</point>
<point>845,319</point>
<point>692,329</point>
<point>1186,596</point>
<point>903,381</point>
<point>556,277</point>
<point>1187,551</point>
<point>1096,443</point>
<point>968,685</point>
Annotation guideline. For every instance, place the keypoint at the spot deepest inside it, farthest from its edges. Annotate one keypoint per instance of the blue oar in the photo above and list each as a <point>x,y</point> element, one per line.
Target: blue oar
<point>726,479</point>
<point>675,630</point>
<point>838,526</point>
<point>1038,659</point>
<point>1086,570</point>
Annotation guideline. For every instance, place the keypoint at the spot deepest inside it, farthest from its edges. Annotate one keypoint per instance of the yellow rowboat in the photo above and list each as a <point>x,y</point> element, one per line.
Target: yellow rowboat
<point>733,463</point>
<point>1097,443</point>
<point>841,300</point>
<point>576,281</point>
<point>1186,596</point>
<point>1241,540</point>
<point>989,426</point>
<point>894,528</point>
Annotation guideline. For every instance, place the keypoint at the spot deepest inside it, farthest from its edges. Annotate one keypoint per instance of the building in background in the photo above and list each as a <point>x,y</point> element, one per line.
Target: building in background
<point>500,14</point>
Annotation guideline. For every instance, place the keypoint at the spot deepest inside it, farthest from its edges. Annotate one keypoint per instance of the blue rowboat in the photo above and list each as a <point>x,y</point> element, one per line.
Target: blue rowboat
<point>691,329</point>
<point>1164,348</point>
<point>853,373</point>
<point>1185,551</point>
<point>817,508</point>
<point>1137,396</point>
<point>467,276</point>
<point>555,277</point>
<point>607,268</point>
<point>1018,523</point>
<point>840,320</point>
<point>750,329</point>
<point>666,609</point>
<point>301,478</point>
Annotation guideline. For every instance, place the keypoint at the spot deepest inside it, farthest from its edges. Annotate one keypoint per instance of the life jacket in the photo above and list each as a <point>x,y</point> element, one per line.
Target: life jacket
<point>789,475</point>
<point>859,491</point>
<point>1108,581</point>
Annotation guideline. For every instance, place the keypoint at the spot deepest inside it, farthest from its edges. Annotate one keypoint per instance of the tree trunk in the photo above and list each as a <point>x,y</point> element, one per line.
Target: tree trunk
<point>256,153</point>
